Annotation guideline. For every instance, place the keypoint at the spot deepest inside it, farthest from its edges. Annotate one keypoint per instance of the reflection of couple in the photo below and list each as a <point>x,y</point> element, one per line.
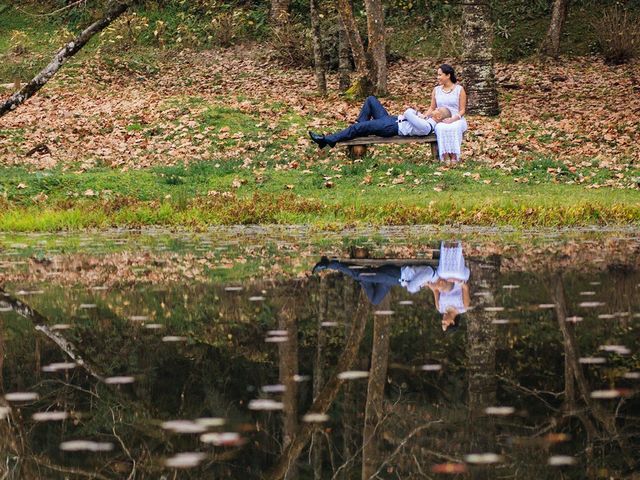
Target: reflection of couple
<point>445,117</point>
<point>448,282</point>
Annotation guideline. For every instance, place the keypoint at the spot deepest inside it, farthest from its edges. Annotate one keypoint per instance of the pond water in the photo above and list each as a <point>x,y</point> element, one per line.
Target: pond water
<point>225,354</point>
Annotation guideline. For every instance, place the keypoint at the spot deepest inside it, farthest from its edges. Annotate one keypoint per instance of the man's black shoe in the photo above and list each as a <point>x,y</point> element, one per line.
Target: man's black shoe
<point>319,139</point>
<point>321,265</point>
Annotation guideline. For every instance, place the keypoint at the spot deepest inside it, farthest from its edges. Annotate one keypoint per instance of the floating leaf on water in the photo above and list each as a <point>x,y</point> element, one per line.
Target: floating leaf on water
<point>619,349</point>
<point>500,321</point>
<point>499,410</point>
<point>5,309</point>
<point>256,299</point>
<point>384,312</point>
<point>329,324</point>
<point>99,287</point>
<point>632,375</point>
<point>274,388</point>
<point>185,460</point>
<point>605,394</point>
<point>510,287</point>
<point>221,439</point>
<point>431,367</point>
<point>276,339</point>
<point>61,326</point>
<point>622,314</point>
<point>557,437</point>
<point>606,316</point>
<point>573,319</point>
<point>315,418</point>
<point>88,306</point>
<point>277,333</point>
<point>405,302</point>
<point>587,294</point>
<point>595,283</point>
<point>590,304</point>
<point>301,378</point>
<point>483,293</point>
<point>139,318</point>
<point>4,411</point>
<point>58,366</point>
<point>353,374</point>
<point>483,458</point>
<point>174,338</point>
<point>493,309</point>
<point>265,404</point>
<point>86,445</point>
<point>547,305</point>
<point>21,396</point>
<point>119,380</point>
<point>183,426</point>
<point>50,416</point>
<point>451,468</point>
<point>232,289</point>
<point>154,326</point>
<point>211,421</point>
<point>561,461</point>
<point>592,360</point>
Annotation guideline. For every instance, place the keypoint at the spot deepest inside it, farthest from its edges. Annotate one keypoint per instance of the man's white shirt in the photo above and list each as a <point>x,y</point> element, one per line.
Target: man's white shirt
<point>410,124</point>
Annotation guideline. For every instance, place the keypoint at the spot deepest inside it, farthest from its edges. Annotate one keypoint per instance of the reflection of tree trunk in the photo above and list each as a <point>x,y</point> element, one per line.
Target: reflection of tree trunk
<point>323,307</point>
<point>574,369</point>
<point>481,356</point>
<point>375,392</point>
<point>288,353</point>
<point>318,57</point>
<point>327,395</point>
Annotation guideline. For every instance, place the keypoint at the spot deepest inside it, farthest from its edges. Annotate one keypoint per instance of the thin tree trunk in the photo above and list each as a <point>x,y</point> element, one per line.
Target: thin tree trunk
<point>477,60</point>
<point>377,47</point>
<point>363,85</point>
<point>344,59</point>
<point>288,353</point>
<point>318,369</point>
<point>326,396</point>
<point>318,57</point>
<point>551,43</point>
<point>375,394</point>
<point>70,49</point>
<point>279,12</point>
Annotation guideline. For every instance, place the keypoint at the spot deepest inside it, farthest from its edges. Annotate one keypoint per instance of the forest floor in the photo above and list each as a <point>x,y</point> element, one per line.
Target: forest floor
<point>220,137</point>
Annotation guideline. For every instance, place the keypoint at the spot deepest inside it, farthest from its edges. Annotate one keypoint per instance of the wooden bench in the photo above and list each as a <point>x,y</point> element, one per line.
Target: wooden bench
<point>373,140</point>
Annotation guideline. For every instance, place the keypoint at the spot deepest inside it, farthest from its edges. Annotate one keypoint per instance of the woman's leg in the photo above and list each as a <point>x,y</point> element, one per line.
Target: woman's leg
<point>371,109</point>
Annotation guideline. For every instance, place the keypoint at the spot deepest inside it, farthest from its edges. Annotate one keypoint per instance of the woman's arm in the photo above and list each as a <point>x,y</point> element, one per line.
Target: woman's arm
<point>436,297</point>
<point>433,105</point>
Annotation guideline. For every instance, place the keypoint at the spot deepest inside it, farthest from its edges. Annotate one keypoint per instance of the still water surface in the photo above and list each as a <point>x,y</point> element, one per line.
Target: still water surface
<point>226,355</point>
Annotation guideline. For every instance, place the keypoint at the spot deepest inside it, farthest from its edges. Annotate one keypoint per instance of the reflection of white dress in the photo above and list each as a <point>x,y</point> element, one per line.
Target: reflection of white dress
<point>450,134</point>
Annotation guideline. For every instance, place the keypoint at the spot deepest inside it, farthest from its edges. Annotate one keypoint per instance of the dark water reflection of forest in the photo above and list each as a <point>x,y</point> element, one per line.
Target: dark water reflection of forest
<point>212,357</point>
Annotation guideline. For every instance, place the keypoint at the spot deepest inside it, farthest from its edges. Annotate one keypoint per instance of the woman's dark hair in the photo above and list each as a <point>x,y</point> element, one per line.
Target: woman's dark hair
<point>455,325</point>
<point>448,70</point>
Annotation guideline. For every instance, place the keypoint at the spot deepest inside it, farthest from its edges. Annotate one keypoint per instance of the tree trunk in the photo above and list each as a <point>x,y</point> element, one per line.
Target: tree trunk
<point>551,43</point>
<point>477,59</point>
<point>279,12</point>
<point>318,369</point>
<point>344,59</point>
<point>318,57</point>
<point>288,353</point>
<point>375,394</point>
<point>70,49</point>
<point>377,47</point>
<point>363,85</point>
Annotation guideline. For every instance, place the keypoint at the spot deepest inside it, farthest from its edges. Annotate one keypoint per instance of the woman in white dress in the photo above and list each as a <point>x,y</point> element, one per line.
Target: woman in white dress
<point>449,132</point>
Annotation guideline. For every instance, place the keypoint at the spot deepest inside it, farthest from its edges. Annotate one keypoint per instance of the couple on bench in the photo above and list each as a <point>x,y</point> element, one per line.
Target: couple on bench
<point>445,118</point>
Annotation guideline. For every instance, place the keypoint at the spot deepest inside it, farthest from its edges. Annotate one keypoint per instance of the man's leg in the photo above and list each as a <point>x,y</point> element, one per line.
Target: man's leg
<point>372,109</point>
<point>375,291</point>
<point>383,127</point>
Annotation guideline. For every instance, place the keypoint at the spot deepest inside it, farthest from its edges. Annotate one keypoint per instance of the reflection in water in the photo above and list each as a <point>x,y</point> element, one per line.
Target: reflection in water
<point>299,376</point>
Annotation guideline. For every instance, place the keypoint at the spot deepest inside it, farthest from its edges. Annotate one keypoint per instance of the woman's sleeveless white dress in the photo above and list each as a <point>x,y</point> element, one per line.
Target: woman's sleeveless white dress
<point>450,134</point>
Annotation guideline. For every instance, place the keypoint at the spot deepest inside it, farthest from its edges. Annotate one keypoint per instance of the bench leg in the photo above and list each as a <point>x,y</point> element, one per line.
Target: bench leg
<point>434,150</point>
<point>356,151</point>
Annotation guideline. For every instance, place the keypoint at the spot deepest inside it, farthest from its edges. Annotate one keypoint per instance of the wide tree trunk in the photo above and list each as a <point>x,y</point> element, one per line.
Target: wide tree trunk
<point>318,57</point>
<point>551,43</point>
<point>374,412</point>
<point>115,9</point>
<point>279,12</point>
<point>377,47</point>
<point>477,59</point>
